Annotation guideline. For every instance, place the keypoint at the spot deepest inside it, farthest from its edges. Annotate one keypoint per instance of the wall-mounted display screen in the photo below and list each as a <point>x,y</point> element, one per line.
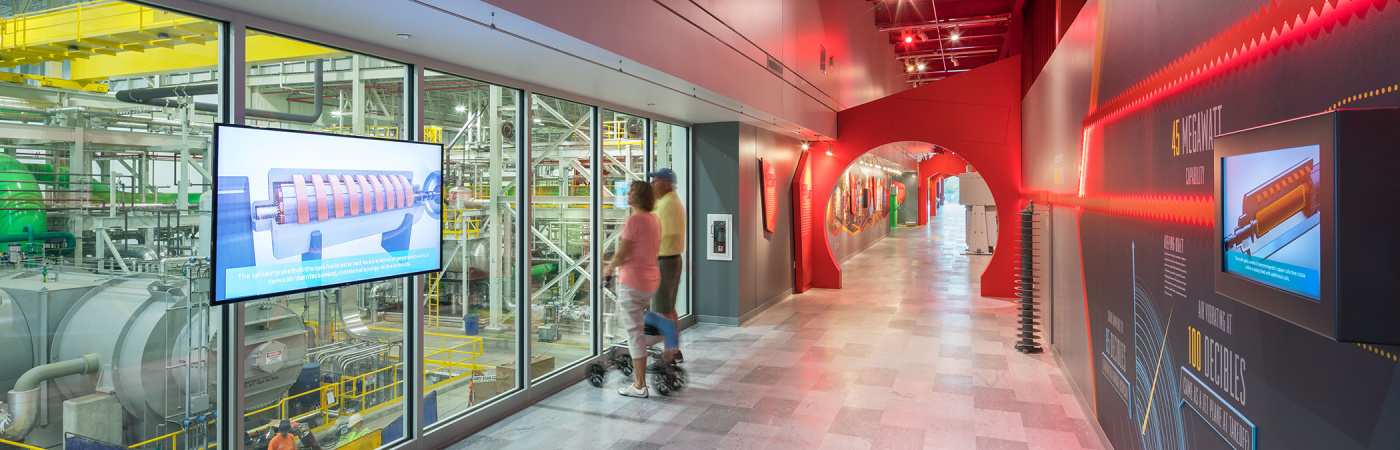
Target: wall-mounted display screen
<point>1271,204</point>
<point>297,211</point>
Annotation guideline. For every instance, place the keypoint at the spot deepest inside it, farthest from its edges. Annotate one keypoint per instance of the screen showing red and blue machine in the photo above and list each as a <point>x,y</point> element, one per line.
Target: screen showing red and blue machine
<point>297,211</point>
<point>1271,204</point>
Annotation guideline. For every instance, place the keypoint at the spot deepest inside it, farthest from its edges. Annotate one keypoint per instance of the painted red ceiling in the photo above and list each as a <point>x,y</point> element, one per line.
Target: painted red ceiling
<point>975,46</point>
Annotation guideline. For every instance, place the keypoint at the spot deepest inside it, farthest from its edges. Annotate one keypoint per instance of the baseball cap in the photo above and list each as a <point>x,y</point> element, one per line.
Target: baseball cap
<point>664,172</point>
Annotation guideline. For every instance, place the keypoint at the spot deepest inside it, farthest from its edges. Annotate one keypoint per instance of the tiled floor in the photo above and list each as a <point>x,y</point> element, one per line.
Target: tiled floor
<point>905,357</point>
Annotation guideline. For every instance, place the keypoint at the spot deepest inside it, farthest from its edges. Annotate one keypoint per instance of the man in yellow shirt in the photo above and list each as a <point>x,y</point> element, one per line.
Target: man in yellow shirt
<point>672,216</point>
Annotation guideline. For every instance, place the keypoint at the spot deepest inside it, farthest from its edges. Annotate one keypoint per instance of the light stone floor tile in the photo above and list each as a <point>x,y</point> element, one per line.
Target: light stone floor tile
<point>903,351</point>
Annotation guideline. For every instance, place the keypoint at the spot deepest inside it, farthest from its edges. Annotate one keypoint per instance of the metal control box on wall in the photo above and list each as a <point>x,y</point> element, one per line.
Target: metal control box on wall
<point>1304,222</point>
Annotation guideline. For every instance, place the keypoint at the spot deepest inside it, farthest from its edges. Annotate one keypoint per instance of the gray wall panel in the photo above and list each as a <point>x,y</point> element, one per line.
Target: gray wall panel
<point>716,159</point>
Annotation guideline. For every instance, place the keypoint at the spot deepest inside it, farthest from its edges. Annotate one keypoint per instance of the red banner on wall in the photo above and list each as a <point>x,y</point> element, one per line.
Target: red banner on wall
<point>770,197</point>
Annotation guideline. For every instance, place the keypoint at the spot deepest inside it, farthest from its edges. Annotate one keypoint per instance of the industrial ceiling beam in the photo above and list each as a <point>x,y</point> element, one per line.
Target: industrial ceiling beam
<point>950,23</point>
<point>962,37</point>
<point>924,75</point>
<point>932,55</point>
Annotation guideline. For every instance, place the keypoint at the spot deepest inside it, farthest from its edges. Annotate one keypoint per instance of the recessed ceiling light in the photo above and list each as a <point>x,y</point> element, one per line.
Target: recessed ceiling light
<point>404,36</point>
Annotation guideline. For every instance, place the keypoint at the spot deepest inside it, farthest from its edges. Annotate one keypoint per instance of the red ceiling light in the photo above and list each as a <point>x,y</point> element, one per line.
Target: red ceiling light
<point>908,39</point>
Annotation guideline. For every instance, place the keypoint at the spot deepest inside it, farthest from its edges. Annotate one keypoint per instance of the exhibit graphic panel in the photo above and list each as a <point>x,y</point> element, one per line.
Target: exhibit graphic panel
<point>1173,345</point>
<point>298,211</point>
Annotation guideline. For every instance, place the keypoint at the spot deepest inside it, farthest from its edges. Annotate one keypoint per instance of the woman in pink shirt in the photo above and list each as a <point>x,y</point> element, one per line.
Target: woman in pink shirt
<point>638,277</point>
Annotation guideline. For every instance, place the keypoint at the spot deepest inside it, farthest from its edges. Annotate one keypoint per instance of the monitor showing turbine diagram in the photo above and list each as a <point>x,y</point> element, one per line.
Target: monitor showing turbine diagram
<point>297,211</point>
<point>1271,203</point>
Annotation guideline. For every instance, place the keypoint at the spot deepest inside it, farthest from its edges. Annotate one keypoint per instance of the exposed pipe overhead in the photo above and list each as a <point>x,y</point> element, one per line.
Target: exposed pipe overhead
<point>950,23</point>
<point>161,96</point>
<point>945,54</point>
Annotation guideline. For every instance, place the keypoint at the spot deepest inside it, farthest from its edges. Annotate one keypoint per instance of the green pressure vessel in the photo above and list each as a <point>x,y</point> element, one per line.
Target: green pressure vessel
<point>19,190</point>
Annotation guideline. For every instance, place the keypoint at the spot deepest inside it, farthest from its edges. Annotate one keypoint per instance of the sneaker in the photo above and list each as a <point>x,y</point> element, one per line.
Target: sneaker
<point>677,357</point>
<point>632,391</point>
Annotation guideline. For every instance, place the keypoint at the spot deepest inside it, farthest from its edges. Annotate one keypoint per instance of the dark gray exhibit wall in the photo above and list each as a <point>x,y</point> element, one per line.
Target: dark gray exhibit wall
<point>727,159</point>
<point>909,210</point>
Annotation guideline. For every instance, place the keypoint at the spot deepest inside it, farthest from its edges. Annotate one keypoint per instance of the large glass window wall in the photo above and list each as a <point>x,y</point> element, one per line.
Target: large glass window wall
<point>562,269</point>
<point>344,377</point>
<point>105,193</point>
<point>105,333</point>
<point>471,318</point>
<point>624,161</point>
<point>672,151</point>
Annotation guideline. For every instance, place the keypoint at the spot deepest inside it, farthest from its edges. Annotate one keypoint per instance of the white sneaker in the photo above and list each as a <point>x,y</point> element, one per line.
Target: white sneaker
<point>632,391</point>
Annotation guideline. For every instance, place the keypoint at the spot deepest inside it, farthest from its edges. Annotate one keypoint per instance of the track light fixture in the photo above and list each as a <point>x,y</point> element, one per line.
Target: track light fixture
<point>829,152</point>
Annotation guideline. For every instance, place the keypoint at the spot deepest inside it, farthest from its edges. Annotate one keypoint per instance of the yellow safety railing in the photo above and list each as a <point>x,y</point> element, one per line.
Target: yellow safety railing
<point>452,358</point>
<point>351,390</point>
<point>456,223</point>
<point>16,444</point>
<point>434,318</point>
<point>452,223</point>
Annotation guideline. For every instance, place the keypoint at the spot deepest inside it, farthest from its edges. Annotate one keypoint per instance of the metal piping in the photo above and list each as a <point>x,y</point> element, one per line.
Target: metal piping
<point>936,55</point>
<point>161,97</point>
<point>23,400</point>
<point>947,24</point>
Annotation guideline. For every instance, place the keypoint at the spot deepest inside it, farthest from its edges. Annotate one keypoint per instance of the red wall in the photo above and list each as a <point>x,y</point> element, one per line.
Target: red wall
<point>723,45</point>
<point>944,166</point>
<point>976,114</point>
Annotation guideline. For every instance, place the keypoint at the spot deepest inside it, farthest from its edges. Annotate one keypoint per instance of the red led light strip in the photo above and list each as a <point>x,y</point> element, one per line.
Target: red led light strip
<point>1274,26</point>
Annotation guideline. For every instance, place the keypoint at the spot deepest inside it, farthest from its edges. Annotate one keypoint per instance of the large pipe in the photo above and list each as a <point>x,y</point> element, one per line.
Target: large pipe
<point>161,97</point>
<point>30,237</point>
<point>23,406</point>
<point>304,118</point>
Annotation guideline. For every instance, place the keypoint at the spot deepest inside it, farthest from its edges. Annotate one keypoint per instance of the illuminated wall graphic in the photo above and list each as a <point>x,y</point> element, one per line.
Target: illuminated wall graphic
<point>859,200</point>
<point>858,210</point>
<point>1119,141</point>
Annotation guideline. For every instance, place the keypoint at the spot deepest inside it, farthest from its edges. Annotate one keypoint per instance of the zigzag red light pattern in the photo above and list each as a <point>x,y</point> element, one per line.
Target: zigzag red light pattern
<point>1186,209</point>
<point>1273,27</point>
<point>1278,25</point>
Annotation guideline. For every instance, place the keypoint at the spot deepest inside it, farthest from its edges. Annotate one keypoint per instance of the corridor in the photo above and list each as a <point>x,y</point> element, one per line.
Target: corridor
<point>904,357</point>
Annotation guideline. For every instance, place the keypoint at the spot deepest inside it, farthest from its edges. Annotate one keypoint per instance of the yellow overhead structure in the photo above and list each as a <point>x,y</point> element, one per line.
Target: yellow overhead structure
<point>113,39</point>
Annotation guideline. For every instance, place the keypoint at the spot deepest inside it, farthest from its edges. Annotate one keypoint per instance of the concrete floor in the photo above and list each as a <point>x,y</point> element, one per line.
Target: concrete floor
<point>906,356</point>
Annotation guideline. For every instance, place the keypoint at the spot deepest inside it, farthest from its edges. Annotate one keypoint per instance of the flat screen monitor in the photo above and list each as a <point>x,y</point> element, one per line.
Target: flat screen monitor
<point>1273,217</point>
<point>298,211</point>
<point>1302,228</point>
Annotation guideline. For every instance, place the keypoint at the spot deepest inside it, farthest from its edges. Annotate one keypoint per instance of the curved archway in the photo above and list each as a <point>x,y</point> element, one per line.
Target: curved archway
<point>977,115</point>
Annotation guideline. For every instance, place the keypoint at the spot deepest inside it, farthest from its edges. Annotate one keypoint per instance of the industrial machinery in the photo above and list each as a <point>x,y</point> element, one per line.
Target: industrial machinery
<point>981,213</point>
<point>106,329</point>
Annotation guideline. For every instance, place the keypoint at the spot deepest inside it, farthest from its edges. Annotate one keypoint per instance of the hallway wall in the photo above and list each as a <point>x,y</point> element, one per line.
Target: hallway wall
<point>723,46</point>
<point>846,238</point>
<point>1133,98</point>
<point>727,157</point>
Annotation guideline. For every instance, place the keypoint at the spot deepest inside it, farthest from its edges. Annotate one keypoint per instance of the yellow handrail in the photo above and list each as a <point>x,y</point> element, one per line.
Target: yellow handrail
<point>16,444</point>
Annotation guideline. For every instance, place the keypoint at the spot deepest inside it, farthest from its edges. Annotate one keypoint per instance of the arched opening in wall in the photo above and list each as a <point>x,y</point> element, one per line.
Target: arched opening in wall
<point>900,185</point>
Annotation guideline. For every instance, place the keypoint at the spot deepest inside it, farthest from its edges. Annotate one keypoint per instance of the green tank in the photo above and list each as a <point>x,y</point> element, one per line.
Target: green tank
<point>13,187</point>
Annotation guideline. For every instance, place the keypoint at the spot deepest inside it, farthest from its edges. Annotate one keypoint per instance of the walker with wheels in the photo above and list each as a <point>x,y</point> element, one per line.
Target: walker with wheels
<point>667,376</point>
